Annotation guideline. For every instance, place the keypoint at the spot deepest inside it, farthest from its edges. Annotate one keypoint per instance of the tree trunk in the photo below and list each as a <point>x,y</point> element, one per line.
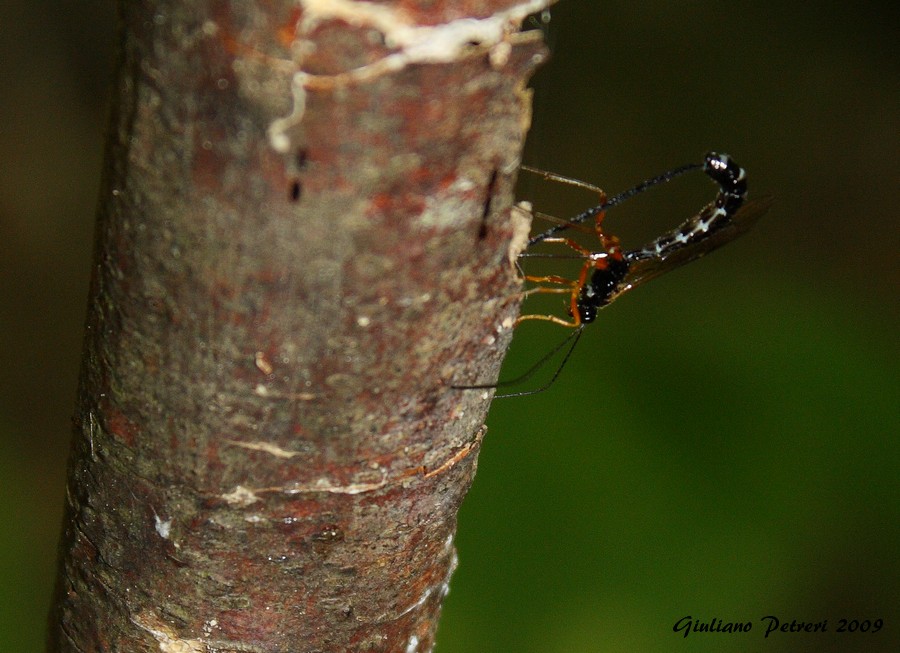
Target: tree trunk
<point>302,242</point>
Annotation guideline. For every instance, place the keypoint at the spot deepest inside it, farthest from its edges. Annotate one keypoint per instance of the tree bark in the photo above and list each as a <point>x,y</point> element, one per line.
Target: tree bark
<point>302,242</point>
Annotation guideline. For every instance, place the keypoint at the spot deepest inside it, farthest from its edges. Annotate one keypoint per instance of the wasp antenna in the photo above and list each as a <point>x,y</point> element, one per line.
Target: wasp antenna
<point>574,336</point>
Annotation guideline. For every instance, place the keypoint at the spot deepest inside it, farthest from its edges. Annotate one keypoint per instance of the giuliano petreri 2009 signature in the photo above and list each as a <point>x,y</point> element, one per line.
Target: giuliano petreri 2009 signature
<point>771,625</point>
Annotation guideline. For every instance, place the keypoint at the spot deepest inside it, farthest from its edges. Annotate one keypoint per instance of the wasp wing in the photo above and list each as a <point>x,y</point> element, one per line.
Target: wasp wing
<point>648,263</point>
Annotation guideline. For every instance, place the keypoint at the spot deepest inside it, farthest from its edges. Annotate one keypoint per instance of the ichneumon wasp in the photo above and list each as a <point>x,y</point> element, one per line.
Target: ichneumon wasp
<point>611,271</point>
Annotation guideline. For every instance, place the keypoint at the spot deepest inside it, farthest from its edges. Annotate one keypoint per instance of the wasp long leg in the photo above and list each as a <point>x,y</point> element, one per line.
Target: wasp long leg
<point>559,221</point>
<point>593,260</point>
<point>571,244</point>
<point>571,181</point>
<point>568,283</point>
<point>548,318</point>
<point>567,286</point>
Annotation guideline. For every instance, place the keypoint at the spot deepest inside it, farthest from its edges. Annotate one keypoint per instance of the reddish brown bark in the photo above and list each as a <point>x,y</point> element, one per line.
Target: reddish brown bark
<point>290,271</point>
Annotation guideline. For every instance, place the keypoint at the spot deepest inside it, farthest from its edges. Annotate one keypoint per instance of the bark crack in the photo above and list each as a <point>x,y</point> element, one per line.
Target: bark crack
<point>243,496</point>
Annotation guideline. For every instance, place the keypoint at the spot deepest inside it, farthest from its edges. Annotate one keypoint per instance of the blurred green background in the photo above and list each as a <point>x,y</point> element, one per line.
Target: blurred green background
<point>723,443</point>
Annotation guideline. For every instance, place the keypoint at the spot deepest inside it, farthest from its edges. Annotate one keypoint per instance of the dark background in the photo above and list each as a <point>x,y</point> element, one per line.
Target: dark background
<point>723,443</point>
